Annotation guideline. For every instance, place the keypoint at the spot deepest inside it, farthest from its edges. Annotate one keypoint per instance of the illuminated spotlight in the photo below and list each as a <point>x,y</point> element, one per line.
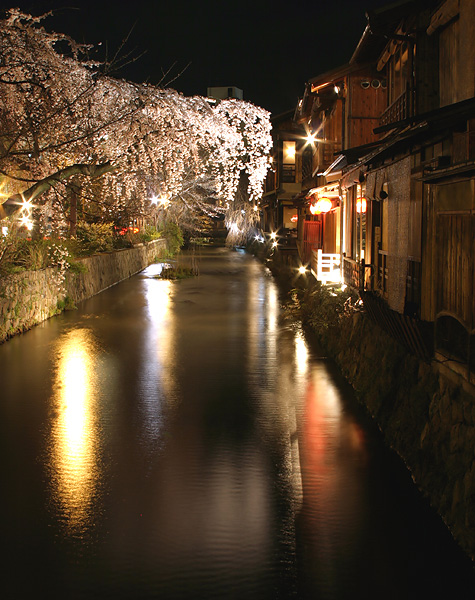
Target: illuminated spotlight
<point>255,207</point>
<point>273,235</point>
<point>26,222</point>
<point>311,137</point>
<point>154,199</point>
<point>26,205</point>
<point>302,270</point>
<point>274,244</point>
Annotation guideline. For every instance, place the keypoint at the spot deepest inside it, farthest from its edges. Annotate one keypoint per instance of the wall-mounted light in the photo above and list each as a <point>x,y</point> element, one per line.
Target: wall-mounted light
<point>361,205</point>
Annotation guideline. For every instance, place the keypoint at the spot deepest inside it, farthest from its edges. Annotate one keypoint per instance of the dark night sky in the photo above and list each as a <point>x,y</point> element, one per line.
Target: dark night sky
<point>268,48</point>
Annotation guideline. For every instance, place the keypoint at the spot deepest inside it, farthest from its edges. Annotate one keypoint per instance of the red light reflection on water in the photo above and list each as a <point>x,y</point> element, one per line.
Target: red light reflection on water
<point>333,453</point>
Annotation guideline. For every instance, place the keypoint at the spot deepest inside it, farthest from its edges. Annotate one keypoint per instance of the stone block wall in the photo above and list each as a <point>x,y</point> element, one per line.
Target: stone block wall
<point>425,411</point>
<point>31,297</point>
<point>104,270</point>
<point>27,299</point>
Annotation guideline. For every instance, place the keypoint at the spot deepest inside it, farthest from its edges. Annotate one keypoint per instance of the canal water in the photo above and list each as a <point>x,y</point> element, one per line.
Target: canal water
<point>186,440</point>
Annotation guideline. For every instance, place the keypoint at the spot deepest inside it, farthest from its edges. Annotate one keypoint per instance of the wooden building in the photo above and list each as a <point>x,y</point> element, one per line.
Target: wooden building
<point>412,253</point>
<point>284,182</point>
<point>339,110</point>
<point>378,161</point>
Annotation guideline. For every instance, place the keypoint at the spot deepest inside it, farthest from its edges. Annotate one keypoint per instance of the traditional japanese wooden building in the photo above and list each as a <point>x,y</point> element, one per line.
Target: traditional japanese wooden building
<point>284,182</point>
<point>339,110</point>
<point>412,254</point>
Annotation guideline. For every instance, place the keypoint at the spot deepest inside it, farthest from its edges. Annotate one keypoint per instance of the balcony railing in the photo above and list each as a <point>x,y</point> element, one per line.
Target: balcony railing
<point>398,111</point>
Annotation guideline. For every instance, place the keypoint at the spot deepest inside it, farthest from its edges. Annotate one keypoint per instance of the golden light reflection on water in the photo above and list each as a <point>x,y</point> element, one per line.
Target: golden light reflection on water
<point>301,353</point>
<point>160,340</point>
<point>75,431</point>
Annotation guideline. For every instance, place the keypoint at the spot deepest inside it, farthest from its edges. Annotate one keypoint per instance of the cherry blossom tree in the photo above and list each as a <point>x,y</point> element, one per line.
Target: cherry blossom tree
<point>74,140</point>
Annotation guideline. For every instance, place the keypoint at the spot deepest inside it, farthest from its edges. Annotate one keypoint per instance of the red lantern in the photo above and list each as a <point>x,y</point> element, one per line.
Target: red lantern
<point>324,205</point>
<point>313,209</point>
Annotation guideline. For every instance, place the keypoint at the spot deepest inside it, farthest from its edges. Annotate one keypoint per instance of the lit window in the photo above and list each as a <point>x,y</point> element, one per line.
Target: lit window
<point>289,153</point>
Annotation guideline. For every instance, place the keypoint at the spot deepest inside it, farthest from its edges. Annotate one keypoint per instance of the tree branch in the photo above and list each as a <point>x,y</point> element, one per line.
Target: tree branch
<point>40,187</point>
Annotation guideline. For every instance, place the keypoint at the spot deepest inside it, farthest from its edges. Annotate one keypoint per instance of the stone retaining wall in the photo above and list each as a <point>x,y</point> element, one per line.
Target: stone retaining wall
<point>426,413</point>
<point>31,297</point>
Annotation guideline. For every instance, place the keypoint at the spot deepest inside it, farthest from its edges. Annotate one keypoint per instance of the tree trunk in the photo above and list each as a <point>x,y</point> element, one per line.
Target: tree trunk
<point>73,210</point>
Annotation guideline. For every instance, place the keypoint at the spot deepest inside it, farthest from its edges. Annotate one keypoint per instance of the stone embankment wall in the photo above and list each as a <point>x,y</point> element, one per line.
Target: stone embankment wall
<point>425,411</point>
<point>31,297</point>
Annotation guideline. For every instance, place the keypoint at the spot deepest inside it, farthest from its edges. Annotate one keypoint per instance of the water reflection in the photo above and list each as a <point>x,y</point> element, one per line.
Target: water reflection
<point>155,388</point>
<point>74,434</point>
<point>332,518</point>
<point>202,449</point>
<point>301,353</point>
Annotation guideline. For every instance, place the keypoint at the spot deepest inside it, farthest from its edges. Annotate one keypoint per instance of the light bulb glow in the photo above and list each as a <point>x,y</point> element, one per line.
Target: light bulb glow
<point>361,205</point>
<point>323,205</point>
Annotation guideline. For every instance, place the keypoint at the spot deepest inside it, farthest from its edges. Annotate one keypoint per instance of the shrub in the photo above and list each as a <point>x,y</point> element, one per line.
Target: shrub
<point>178,272</point>
<point>174,236</point>
<point>149,233</point>
<point>76,267</point>
<point>95,237</point>
<point>323,307</point>
<point>32,255</point>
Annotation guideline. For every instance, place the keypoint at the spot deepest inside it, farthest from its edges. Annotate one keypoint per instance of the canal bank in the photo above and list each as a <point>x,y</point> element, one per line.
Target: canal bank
<point>425,411</point>
<point>30,297</point>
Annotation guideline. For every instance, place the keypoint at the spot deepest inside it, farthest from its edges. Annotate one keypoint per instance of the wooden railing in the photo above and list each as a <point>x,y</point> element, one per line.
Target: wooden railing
<point>398,111</point>
<point>382,283</point>
<point>326,267</point>
<point>351,272</point>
